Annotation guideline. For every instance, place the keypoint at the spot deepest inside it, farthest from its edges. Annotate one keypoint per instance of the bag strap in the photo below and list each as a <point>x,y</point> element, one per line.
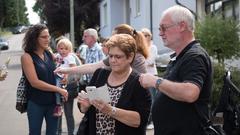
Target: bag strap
<point>205,122</point>
<point>101,76</point>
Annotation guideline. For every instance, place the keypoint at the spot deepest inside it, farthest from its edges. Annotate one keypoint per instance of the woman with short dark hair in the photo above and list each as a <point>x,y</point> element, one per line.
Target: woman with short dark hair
<point>129,107</point>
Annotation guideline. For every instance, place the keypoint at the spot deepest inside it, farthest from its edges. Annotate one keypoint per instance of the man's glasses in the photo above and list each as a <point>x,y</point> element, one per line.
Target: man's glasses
<point>163,27</point>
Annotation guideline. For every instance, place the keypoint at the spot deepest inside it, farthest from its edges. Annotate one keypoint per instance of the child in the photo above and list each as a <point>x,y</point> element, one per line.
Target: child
<point>63,59</point>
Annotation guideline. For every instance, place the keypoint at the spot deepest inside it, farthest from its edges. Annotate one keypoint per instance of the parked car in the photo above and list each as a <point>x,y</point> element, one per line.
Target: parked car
<point>163,57</point>
<point>4,45</point>
<point>19,29</point>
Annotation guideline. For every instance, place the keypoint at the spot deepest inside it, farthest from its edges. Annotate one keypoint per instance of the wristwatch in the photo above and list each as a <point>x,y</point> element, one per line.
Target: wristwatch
<point>158,82</point>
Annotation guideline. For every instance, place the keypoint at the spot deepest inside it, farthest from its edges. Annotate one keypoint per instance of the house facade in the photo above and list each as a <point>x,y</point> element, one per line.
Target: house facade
<point>137,13</point>
<point>147,13</point>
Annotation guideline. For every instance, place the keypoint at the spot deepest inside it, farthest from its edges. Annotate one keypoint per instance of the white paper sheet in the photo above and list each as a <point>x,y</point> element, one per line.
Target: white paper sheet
<point>100,93</point>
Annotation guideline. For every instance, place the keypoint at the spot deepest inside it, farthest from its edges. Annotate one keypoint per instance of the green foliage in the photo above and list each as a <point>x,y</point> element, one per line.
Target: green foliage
<point>235,73</point>
<point>56,14</point>
<point>218,75</point>
<point>219,36</point>
<point>4,32</point>
<point>13,12</point>
<point>161,71</point>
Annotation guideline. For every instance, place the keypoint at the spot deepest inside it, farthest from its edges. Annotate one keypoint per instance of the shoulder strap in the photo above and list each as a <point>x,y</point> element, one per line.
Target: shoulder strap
<point>102,76</point>
<point>204,120</point>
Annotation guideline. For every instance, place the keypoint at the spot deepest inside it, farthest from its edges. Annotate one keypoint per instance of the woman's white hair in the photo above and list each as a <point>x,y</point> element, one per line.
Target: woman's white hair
<point>178,14</point>
<point>92,32</point>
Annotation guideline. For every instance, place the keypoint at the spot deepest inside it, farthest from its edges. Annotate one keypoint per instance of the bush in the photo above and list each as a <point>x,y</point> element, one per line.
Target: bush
<point>235,73</point>
<point>219,36</point>
<point>218,75</point>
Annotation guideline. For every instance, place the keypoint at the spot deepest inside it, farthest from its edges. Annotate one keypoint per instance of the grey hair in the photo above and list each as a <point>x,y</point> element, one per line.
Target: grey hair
<point>92,32</point>
<point>178,14</point>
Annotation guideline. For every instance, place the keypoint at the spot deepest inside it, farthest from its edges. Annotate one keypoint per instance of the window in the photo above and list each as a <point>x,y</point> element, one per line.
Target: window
<point>226,8</point>
<point>138,7</point>
<point>105,16</point>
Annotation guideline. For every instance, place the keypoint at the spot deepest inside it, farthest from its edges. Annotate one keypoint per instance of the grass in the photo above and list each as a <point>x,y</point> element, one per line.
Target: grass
<point>5,32</point>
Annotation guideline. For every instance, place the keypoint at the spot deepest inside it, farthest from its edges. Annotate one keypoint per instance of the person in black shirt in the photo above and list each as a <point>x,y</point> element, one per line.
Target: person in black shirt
<point>38,66</point>
<point>184,90</point>
<point>129,107</point>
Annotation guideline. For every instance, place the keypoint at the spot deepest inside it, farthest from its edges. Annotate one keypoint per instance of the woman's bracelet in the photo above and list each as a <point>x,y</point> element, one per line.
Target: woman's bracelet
<point>113,111</point>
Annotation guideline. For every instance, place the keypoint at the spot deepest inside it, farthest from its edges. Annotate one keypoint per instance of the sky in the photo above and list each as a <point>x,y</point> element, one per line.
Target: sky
<point>32,16</point>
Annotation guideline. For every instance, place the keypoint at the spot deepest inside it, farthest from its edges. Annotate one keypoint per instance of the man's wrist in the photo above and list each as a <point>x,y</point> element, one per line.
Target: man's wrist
<point>158,82</point>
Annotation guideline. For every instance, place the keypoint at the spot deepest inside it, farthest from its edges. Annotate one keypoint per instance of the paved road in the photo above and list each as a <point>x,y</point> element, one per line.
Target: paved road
<point>11,121</point>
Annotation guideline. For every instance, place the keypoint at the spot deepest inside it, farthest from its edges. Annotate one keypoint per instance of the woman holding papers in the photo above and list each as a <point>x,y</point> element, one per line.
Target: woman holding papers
<point>128,110</point>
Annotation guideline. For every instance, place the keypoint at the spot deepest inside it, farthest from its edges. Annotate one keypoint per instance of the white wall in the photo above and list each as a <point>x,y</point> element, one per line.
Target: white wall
<point>105,29</point>
<point>115,16</point>
<point>117,12</point>
<point>158,7</point>
<point>143,19</point>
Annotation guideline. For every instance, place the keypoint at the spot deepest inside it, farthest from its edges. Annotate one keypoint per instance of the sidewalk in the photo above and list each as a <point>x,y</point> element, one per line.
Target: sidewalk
<point>77,117</point>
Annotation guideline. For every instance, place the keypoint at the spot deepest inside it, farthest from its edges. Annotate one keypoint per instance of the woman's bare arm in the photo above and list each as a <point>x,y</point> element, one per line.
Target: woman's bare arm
<point>31,75</point>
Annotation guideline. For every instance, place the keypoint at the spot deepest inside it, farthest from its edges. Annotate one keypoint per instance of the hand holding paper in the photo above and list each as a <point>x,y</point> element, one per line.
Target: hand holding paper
<point>100,93</point>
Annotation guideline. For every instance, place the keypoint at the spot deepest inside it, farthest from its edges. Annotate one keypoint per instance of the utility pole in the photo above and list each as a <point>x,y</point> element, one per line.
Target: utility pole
<point>72,23</point>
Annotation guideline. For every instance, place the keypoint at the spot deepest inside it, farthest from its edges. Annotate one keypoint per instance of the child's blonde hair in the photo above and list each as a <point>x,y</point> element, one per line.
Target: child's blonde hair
<point>66,42</point>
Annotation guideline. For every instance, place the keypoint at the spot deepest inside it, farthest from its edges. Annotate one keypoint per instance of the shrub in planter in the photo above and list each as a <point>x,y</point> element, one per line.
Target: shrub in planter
<point>219,36</point>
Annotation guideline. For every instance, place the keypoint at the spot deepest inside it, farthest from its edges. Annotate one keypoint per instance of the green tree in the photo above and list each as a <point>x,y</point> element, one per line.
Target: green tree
<point>13,12</point>
<point>56,14</point>
<point>220,37</point>
<point>2,12</point>
<point>23,19</point>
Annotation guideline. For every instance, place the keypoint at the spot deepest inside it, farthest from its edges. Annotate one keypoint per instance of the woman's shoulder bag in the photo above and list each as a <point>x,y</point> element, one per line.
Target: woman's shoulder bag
<point>21,99</point>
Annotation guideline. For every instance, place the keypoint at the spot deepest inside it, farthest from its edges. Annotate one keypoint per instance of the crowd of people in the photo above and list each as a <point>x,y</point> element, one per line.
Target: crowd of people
<point>124,63</point>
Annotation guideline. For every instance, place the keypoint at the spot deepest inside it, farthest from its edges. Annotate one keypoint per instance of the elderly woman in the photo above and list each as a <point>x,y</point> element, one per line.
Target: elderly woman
<point>128,111</point>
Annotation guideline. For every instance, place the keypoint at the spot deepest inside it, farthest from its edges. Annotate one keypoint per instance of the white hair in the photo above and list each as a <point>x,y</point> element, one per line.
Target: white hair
<point>178,14</point>
<point>92,32</point>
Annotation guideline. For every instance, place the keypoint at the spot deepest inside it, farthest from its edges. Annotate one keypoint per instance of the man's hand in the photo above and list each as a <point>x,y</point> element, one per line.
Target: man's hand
<point>148,80</point>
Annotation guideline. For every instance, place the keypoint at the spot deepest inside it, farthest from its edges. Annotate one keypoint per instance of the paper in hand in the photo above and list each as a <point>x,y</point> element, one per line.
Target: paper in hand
<point>100,93</point>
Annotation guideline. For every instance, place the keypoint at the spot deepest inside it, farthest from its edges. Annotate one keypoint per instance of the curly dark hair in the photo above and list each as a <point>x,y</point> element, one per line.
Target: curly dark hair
<point>31,36</point>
